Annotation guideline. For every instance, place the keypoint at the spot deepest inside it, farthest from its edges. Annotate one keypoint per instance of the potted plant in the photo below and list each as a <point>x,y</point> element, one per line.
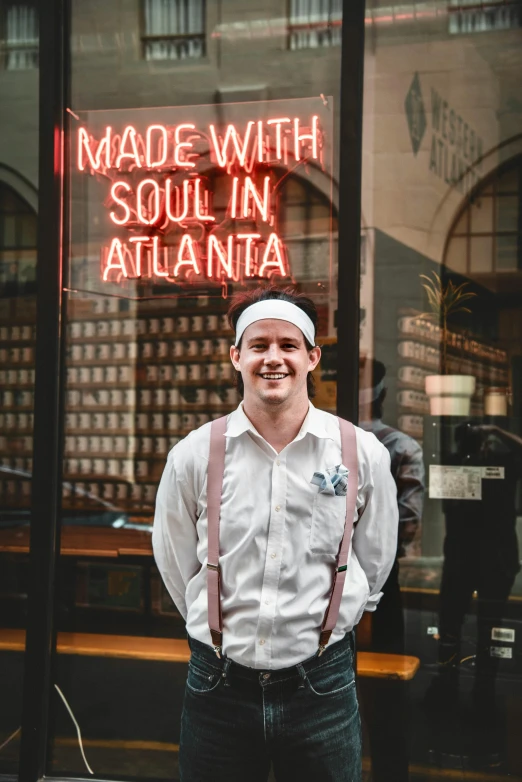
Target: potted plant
<point>448,394</point>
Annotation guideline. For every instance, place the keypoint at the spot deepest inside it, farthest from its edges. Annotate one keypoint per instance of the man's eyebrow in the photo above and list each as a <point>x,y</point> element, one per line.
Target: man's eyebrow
<point>251,340</point>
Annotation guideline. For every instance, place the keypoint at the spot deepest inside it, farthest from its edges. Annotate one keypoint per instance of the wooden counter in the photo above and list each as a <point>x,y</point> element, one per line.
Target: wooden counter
<point>175,650</point>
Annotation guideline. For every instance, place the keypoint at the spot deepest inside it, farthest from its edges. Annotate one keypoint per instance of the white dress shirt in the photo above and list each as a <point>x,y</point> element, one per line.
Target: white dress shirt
<point>279,537</point>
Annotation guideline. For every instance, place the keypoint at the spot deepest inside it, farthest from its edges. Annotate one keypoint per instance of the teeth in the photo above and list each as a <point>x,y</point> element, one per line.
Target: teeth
<point>274,377</point>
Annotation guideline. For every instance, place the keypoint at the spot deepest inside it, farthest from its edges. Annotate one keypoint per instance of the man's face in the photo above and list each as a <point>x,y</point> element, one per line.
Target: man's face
<point>274,362</point>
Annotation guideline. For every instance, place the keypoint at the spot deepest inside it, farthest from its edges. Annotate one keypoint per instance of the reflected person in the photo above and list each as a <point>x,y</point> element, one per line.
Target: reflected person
<point>407,467</point>
<point>385,705</point>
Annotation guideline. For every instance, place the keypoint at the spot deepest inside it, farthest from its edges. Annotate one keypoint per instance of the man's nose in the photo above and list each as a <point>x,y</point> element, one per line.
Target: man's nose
<point>273,355</point>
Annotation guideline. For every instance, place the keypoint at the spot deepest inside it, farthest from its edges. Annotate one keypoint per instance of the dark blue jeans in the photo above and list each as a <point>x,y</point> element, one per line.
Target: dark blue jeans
<point>304,720</point>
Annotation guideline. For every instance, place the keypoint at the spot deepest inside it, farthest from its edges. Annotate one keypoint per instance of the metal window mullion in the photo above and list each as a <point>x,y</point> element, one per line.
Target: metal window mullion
<point>54,77</point>
<point>349,221</point>
<point>494,224</point>
<point>519,220</point>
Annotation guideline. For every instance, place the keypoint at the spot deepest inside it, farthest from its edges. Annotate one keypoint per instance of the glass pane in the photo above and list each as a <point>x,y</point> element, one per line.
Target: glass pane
<point>481,254</point>
<point>440,386</point>
<point>18,222</point>
<point>8,230</point>
<point>507,213</point>
<point>507,249</point>
<point>220,198</point>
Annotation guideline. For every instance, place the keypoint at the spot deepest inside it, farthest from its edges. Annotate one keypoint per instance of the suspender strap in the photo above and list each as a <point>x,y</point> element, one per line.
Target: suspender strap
<point>216,470</point>
<point>349,459</point>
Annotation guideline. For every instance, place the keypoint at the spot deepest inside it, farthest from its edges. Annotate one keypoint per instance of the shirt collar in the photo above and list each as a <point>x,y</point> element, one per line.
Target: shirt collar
<point>314,423</point>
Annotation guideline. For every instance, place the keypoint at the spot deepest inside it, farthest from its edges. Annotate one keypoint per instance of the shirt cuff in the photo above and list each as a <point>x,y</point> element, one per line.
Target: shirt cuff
<point>373,601</point>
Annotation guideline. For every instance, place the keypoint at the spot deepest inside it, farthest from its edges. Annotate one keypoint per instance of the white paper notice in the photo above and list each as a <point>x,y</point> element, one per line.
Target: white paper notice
<point>455,483</point>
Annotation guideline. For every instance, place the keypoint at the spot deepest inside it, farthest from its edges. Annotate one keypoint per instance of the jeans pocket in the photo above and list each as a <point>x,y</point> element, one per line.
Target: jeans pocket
<point>333,678</point>
<point>202,679</point>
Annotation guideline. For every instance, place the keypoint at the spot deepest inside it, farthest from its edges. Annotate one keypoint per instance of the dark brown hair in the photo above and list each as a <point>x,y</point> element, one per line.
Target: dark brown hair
<point>240,302</point>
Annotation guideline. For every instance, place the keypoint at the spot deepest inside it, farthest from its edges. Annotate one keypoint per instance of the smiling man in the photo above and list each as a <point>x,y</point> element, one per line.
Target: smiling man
<point>275,528</point>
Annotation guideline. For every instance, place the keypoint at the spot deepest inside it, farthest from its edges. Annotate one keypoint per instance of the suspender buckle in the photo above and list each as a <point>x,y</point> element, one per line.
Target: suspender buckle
<point>323,641</point>
<point>217,641</point>
<point>342,568</point>
<point>212,567</point>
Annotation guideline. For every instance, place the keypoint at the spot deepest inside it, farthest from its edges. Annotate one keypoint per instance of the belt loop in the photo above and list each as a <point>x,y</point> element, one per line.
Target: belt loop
<point>302,673</point>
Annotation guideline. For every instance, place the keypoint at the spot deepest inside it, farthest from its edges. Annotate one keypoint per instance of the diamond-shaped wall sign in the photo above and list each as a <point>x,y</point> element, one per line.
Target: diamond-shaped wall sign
<point>415,113</point>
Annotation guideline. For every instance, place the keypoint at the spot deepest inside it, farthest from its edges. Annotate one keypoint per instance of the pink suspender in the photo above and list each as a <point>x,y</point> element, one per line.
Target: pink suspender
<point>216,470</point>
<point>349,459</point>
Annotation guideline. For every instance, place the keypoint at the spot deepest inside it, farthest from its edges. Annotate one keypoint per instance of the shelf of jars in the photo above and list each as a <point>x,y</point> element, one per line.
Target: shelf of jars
<point>140,376</point>
<point>17,339</point>
<point>138,382</point>
<point>418,349</point>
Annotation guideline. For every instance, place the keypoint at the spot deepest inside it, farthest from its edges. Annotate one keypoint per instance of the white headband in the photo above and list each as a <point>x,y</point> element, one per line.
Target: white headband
<point>279,310</point>
<point>367,395</point>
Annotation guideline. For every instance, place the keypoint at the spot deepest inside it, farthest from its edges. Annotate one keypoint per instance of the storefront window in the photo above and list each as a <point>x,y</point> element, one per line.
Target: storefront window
<point>440,380</point>
<point>200,183</point>
<point>18,224</point>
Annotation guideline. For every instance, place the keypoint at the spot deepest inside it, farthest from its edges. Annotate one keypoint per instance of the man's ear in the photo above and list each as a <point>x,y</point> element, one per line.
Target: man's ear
<point>234,357</point>
<point>314,357</point>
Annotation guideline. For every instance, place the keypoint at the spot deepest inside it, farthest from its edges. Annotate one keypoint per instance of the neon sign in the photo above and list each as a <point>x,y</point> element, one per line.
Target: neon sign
<point>159,182</point>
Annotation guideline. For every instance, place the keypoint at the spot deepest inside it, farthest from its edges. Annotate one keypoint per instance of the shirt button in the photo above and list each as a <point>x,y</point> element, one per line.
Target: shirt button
<point>278,463</point>
<point>278,507</point>
<point>261,642</point>
<point>273,555</point>
<point>267,602</point>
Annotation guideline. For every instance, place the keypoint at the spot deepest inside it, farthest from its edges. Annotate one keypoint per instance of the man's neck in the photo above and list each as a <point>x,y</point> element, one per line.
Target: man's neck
<point>277,426</point>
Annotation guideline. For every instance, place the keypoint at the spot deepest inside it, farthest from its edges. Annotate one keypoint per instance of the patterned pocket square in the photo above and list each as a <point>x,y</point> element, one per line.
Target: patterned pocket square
<point>334,480</point>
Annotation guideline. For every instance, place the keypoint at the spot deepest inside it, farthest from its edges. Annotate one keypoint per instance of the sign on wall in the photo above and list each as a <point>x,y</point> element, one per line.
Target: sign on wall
<point>189,195</point>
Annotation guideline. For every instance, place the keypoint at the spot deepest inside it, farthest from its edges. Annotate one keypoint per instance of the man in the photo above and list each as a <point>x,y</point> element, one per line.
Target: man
<point>268,693</point>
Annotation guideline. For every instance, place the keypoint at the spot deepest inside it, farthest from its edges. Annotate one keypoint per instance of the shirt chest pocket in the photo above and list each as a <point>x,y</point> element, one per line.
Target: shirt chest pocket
<point>328,517</point>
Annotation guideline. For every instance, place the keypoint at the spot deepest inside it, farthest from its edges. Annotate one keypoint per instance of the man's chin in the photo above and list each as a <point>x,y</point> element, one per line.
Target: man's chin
<point>274,396</point>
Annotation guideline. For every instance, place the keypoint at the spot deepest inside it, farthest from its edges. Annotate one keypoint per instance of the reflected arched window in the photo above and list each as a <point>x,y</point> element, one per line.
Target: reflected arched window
<point>17,244</point>
<point>487,235</point>
<point>309,221</point>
